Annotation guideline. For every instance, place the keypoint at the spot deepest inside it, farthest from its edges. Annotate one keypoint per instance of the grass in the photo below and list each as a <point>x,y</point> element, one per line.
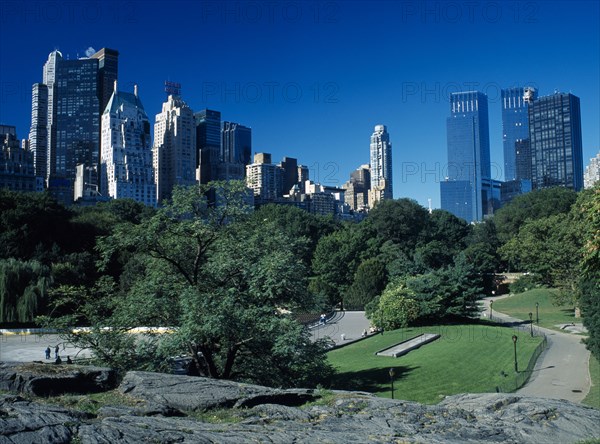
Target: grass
<point>91,403</point>
<point>520,305</point>
<point>593,397</point>
<point>471,358</point>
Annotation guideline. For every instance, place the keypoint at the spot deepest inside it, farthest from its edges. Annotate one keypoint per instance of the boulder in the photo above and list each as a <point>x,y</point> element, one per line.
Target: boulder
<point>191,393</point>
<point>41,379</point>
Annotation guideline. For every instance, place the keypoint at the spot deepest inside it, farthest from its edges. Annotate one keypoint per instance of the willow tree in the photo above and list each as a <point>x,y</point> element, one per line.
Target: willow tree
<point>23,289</point>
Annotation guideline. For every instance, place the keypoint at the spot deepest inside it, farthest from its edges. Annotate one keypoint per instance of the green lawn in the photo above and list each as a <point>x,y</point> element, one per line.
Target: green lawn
<point>593,397</point>
<point>520,305</point>
<point>467,358</point>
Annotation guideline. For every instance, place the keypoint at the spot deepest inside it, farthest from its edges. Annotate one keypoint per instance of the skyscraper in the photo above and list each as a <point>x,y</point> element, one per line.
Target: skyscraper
<point>208,144</point>
<point>69,104</point>
<point>236,148</point>
<point>17,172</point>
<point>174,147</point>
<point>381,165</point>
<point>76,118</point>
<point>467,190</point>
<point>38,134</point>
<point>515,128</point>
<point>555,137</point>
<point>126,166</point>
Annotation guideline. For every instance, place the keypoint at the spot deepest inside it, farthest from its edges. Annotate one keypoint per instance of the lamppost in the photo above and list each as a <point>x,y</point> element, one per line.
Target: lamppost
<point>537,316</point>
<point>491,309</point>
<point>531,322</point>
<point>381,320</point>
<point>514,338</point>
<point>392,374</point>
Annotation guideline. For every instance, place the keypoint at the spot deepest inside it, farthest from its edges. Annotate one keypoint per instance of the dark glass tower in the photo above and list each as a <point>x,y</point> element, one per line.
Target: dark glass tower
<point>77,118</point>
<point>556,148</point>
<point>466,192</point>
<point>208,143</point>
<point>515,127</point>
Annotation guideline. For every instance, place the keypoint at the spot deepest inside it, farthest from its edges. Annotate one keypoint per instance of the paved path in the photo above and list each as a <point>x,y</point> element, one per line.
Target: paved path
<point>27,348</point>
<point>562,370</point>
<point>351,324</point>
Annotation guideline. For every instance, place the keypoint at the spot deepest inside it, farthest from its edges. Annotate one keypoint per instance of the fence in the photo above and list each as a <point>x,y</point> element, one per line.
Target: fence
<point>521,377</point>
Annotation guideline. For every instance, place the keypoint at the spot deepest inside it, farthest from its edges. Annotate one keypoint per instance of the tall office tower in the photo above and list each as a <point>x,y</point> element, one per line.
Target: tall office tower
<point>381,165</point>
<point>108,70</point>
<point>264,179</point>
<point>126,166</point>
<point>303,176</point>
<point>357,188</point>
<point>289,169</point>
<point>236,148</point>
<point>555,135</point>
<point>17,172</point>
<point>49,79</point>
<point>38,134</point>
<point>208,144</point>
<point>515,127</point>
<point>468,188</point>
<point>591,176</point>
<point>174,149</point>
<point>77,117</point>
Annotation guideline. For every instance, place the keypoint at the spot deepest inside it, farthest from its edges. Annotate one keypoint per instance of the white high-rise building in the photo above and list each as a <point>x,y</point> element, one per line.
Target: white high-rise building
<point>591,175</point>
<point>174,152</point>
<point>126,164</point>
<point>381,166</point>
<point>264,178</point>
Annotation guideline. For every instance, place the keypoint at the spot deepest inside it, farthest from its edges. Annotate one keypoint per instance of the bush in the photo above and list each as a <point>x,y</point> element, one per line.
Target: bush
<point>524,283</point>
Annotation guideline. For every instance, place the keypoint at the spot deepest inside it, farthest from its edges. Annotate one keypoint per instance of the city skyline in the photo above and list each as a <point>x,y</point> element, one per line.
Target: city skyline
<point>285,70</point>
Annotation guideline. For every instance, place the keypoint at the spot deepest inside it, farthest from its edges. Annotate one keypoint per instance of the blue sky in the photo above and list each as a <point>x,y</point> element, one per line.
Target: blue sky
<point>312,78</point>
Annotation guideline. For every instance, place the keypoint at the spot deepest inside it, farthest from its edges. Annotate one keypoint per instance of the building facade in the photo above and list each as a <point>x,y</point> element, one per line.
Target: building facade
<point>126,166</point>
<point>17,171</point>
<point>66,117</point>
<point>381,165</point>
<point>174,152</point>
<point>466,191</point>
<point>591,176</point>
<point>208,144</point>
<point>357,189</point>
<point>264,178</point>
<point>515,128</point>
<point>555,137</point>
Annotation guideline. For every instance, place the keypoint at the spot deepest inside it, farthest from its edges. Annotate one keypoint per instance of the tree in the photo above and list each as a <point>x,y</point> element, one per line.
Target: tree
<point>23,289</point>
<point>335,261</point>
<point>396,308</point>
<point>222,281</point>
<point>548,247</point>
<point>370,280</point>
<point>402,221</point>
<point>588,207</point>
<point>537,204</point>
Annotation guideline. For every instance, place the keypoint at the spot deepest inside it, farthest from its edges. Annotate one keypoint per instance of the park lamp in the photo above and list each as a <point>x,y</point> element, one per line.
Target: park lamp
<point>514,338</point>
<point>392,373</point>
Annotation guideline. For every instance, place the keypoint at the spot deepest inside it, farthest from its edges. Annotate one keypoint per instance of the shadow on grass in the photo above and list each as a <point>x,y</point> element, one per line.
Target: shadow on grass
<point>568,312</point>
<point>373,380</point>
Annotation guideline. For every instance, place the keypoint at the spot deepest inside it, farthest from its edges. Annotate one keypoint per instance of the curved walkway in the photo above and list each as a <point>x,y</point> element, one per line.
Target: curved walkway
<point>562,370</point>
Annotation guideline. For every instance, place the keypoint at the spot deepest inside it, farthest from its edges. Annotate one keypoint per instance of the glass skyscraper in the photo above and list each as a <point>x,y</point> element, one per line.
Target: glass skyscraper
<point>555,137</point>
<point>236,149</point>
<point>208,143</point>
<point>466,192</point>
<point>381,165</point>
<point>515,128</point>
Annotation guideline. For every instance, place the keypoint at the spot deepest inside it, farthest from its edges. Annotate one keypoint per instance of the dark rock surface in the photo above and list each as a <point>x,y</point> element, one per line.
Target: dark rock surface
<point>191,393</point>
<point>49,379</point>
<point>339,417</point>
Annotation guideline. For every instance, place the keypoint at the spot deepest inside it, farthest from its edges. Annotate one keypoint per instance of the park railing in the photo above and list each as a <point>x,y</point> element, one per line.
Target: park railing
<point>521,377</point>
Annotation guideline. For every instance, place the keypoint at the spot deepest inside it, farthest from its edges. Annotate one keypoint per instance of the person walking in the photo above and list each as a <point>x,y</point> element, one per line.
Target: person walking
<point>48,352</point>
<point>56,350</point>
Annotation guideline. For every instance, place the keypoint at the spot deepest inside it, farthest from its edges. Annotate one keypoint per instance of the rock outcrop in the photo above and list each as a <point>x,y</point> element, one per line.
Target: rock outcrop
<point>40,379</point>
<point>179,409</point>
